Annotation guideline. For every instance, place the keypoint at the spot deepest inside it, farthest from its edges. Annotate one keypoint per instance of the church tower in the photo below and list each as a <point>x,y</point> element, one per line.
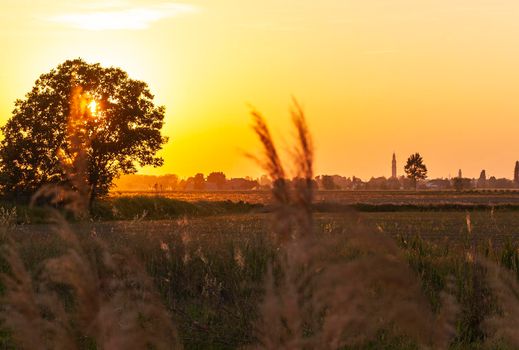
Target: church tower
<point>393,167</point>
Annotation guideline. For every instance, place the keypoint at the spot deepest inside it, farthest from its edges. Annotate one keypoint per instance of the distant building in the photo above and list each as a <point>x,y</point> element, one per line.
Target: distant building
<point>438,184</point>
<point>516,173</point>
<point>393,167</point>
<point>459,174</point>
<point>482,181</point>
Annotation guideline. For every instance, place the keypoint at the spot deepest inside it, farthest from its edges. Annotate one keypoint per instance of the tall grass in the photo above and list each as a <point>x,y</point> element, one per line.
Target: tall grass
<point>84,294</point>
<point>322,295</point>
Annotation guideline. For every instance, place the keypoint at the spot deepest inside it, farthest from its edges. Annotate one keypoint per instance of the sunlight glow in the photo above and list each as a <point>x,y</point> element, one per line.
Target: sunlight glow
<point>373,76</point>
<point>136,18</point>
<point>92,107</point>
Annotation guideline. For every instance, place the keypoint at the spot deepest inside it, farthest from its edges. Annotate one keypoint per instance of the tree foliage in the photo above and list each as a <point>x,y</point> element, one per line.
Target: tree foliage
<point>199,182</point>
<point>126,131</point>
<point>415,169</point>
<point>218,179</point>
<point>327,182</point>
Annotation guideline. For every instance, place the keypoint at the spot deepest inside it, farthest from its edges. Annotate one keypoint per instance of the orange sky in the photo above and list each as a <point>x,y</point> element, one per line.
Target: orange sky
<point>374,76</point>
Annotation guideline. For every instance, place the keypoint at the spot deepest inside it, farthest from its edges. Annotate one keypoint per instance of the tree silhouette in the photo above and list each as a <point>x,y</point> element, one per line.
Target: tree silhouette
<point>217,178</point>
<point>415,169</point>
<point>199,182</point>
<point>123,129</point>
<point>327,182</point>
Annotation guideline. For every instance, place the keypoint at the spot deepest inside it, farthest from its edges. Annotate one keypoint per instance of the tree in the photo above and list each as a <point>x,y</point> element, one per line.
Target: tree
<point>457,183</point>
<point>393,183</point>
<point>378,183</point>
<point>199,182</point>
<point>217,178</point>
<point>119,124</point>
<point>170,181</point>
<point>327,182</point>
<point>415,169</point>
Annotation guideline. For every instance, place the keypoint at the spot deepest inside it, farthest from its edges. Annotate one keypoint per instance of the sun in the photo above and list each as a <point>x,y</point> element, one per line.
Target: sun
<point>92,107</point>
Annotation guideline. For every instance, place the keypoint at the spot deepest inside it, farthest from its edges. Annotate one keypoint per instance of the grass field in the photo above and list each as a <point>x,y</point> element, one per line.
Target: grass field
<point>203,204</point>
<point>446,227</point>
<point>486,197</point>
<point>210,270</point>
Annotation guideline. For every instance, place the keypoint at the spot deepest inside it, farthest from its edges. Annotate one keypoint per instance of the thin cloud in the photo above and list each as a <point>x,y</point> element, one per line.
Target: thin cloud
<point>380,52</point>
<point>118,16</point>
<point>274,27</point>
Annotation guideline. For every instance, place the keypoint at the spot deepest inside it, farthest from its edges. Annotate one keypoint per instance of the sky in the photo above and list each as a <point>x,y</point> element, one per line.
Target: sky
<point>439,77</point>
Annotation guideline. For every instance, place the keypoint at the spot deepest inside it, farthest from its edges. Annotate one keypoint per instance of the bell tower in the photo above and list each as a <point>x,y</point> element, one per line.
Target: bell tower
<point>393,167</point>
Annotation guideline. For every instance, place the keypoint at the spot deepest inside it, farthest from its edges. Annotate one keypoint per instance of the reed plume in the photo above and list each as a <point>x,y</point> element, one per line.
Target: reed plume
<point>330,291</point>
<point>505,288</point>
<point>292,202</point>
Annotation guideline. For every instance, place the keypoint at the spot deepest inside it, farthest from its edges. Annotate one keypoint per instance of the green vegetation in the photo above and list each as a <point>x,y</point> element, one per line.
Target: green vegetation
<point>210,271</point>
<point>130,208</point>
<point>146,207</point>
<point>163,208</point>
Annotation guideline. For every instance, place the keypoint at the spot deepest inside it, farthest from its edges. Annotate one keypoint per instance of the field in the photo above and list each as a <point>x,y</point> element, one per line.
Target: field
<point>209,264</point>
<point>486,197</point>
<point>442,227</point>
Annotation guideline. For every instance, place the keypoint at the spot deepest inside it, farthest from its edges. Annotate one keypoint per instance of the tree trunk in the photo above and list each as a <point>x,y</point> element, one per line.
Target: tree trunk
<point>92,196</point>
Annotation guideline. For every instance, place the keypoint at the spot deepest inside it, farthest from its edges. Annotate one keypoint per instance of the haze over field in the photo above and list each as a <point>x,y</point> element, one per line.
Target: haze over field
<point>373,76</point>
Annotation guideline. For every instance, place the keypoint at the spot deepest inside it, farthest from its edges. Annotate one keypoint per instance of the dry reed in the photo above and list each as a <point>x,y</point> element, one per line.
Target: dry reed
<point>319,297</point>
<point>505,288</point>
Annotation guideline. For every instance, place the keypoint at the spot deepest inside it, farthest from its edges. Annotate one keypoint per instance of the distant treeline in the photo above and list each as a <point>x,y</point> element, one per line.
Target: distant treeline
<point>218,181</point>
<point>214,181</point>
<point>332,182</point>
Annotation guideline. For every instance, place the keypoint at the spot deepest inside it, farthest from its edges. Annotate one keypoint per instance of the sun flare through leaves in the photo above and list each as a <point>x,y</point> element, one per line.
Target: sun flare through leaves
<point>92,107</point>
